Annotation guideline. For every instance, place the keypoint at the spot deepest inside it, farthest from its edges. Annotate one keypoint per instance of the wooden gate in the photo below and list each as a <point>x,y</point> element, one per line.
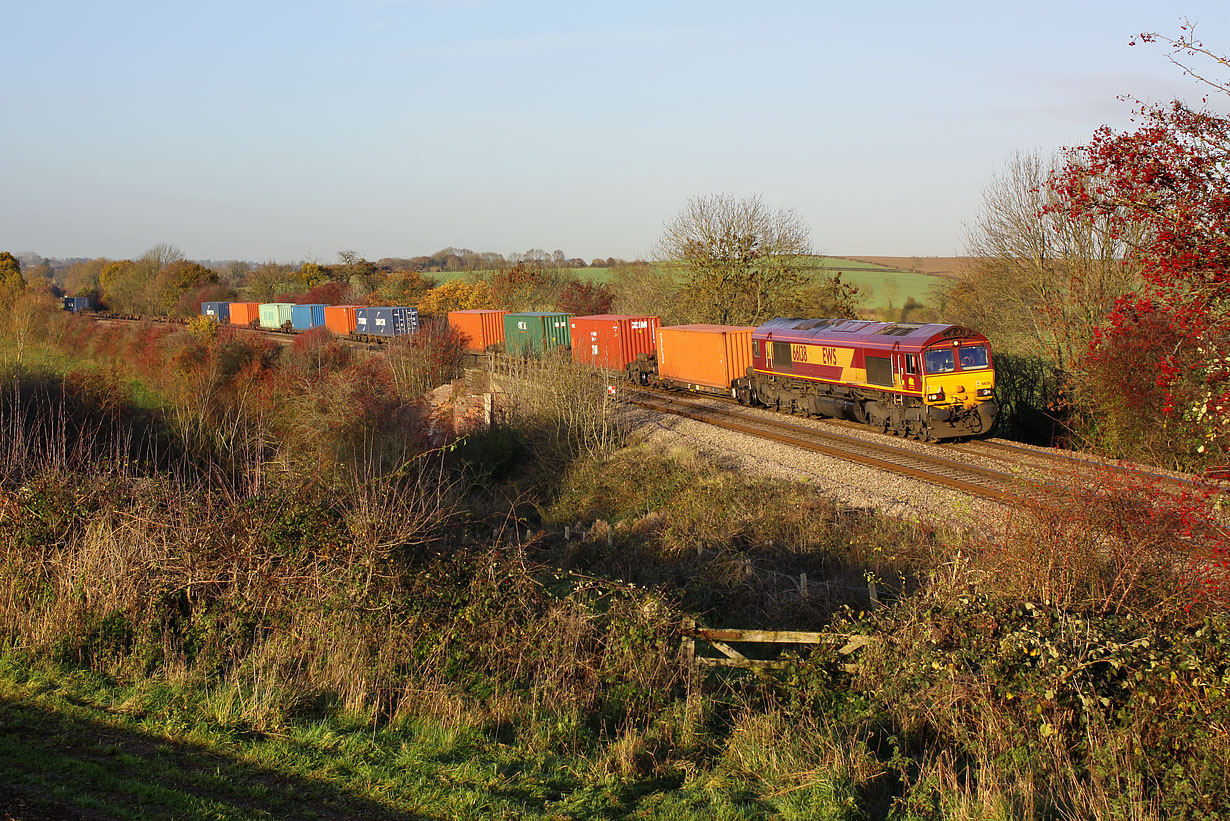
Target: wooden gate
<point>720,640</point>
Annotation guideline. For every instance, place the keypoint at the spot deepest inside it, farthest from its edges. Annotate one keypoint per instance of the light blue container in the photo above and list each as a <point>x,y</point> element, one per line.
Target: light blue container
<point>275,314</point>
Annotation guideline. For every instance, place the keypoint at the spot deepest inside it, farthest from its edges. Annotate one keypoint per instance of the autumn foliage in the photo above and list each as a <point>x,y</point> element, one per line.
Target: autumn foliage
<point>1164,188</point>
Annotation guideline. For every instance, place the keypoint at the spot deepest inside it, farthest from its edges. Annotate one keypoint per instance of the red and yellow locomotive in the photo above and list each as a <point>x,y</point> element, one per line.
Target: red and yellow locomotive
<point>924,381</point>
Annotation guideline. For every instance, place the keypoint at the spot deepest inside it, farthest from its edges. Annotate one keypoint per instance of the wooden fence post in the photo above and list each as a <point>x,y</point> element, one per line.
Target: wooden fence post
<point>689,642</point>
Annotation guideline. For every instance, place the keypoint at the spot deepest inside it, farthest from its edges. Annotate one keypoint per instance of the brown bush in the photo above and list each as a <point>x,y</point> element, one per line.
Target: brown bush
<point>1118,542</point>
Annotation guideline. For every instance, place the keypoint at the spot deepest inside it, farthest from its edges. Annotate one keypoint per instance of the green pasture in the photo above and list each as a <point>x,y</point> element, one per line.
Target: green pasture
<point>883,288</point>
<point>879,285</point>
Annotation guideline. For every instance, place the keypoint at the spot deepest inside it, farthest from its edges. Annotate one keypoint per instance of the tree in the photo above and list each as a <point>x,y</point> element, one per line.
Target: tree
<point>327,293</point>
<point>312,274</point>
<point>525,287</point>
<point>743,262</point>
<point>12,283</point>
<point>405,288</point>
<point>268,279</point>
<point>119,283</point>
<point>643,289</point>
<point>1044,279</point>
<point>43,270</point>
<point>585,298</point>
<point>455,295</point>
<point>174,281</point>
<point>85,278</point>
<point>1164,188</point>
<point>829,299</point>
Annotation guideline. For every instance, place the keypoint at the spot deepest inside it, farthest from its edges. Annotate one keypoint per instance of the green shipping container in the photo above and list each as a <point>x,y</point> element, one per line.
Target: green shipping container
<point>532,332</point>
<point>275,314</point>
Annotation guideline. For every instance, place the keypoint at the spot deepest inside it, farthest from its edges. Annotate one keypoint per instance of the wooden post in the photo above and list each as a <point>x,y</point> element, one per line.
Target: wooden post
<point>689,643</point>
<point>567,533</point>
<point>873,592</point>
<point>803,586</point>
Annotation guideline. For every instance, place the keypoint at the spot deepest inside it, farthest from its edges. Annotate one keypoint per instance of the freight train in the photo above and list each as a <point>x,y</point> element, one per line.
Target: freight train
<point>923,381</point>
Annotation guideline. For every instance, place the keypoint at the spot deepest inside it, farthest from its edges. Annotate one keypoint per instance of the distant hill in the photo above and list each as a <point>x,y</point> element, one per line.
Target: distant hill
<point>947,267</point>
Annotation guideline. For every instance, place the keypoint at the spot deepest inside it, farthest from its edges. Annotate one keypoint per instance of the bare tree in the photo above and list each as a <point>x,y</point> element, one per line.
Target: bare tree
<point>1040,280</point>
<point>743,261</point>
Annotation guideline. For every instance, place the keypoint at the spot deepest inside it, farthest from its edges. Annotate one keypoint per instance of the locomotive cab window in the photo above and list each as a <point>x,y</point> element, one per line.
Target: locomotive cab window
<point>939,360</point>
<point>973,357</point>
<point>755,347</point>
<point>911,364</point>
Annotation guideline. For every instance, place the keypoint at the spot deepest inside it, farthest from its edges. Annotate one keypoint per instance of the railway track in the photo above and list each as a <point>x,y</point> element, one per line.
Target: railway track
<point>917,463</point>
<point>1075,466</point>
<point>1046,465</point>
<point>278,337</point>
<point>934,469</point>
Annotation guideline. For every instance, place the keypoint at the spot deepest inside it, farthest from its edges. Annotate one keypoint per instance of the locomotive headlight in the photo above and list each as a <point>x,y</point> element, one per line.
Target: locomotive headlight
<point>935,397</point>
<point>986,391</point>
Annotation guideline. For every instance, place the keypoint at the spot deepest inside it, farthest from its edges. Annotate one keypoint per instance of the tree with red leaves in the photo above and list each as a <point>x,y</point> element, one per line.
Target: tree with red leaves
<point>585,298</point>
<point>1167,349</point>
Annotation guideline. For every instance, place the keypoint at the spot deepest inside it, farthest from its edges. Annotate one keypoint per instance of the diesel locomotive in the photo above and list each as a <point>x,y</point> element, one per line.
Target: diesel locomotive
<point>922,381</point>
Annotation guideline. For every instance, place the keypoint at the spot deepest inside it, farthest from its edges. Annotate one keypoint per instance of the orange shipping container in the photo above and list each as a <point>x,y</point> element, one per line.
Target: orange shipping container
<point>481,328</point>
<point>243,313</point>
<point>612,340</point>
<point>705,357</point>
<point>340,318</point>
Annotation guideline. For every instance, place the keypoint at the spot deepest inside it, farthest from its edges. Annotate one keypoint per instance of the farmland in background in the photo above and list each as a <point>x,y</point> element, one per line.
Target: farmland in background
<point>883,286</point>
<point>880,284</point>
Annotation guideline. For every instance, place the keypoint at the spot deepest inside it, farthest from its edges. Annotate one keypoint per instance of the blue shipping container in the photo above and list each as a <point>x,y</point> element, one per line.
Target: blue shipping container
<point>306,317</point>
<point>76,303</point>
<point>220,310</point>
<point>387,321</point>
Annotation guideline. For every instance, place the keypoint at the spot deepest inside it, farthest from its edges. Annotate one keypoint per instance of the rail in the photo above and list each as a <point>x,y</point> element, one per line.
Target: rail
<point>939,470</point>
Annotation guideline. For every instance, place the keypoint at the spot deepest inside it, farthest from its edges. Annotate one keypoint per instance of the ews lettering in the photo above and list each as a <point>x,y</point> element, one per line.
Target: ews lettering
<point>815,355</point>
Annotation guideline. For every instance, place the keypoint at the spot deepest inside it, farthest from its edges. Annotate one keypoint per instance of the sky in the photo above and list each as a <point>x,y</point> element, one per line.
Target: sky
<point>292,130</point>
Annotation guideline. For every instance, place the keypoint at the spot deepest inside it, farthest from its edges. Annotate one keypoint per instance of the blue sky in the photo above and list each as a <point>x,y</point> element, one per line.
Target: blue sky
<point>292,130</point>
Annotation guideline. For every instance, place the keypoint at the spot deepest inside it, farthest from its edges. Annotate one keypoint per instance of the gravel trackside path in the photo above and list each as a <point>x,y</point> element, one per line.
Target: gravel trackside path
<point>851,484</point>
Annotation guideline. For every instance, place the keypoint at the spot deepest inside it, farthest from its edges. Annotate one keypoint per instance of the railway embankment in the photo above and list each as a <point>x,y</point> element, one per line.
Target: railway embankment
<point>498,627</point>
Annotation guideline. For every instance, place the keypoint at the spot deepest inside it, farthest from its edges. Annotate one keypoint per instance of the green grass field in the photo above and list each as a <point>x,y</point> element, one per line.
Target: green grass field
<point>880,286</point>
<point>884,287</point>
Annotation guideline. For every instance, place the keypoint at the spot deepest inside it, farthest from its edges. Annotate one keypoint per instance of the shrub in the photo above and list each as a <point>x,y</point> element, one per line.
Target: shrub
<point>1116,543</point>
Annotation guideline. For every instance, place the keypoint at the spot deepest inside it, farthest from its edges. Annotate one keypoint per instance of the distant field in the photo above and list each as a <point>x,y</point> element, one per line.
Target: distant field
<point>880,284</point>
<point>948,267</point>
<point>593,274</point>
